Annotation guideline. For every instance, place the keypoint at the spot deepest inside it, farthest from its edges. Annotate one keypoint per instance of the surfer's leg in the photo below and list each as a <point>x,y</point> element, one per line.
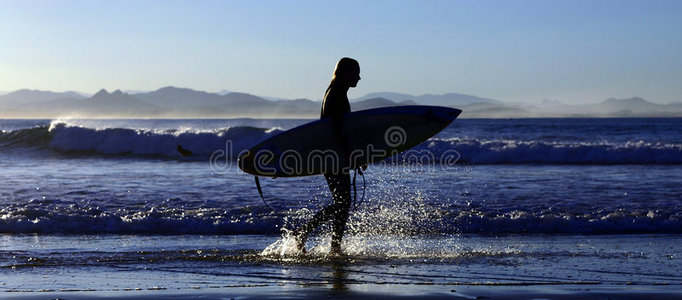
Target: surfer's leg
<point>339,184</point>
<point>320,217</point>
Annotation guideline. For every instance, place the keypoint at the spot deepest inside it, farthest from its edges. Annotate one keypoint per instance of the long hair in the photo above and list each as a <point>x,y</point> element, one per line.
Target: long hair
<point>345,68</point>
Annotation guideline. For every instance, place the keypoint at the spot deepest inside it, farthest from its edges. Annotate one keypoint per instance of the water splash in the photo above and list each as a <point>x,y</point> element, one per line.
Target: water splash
<point>286,246</point>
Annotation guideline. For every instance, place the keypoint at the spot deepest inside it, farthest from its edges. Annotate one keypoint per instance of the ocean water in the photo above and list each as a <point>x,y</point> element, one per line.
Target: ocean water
<point>566,201</point>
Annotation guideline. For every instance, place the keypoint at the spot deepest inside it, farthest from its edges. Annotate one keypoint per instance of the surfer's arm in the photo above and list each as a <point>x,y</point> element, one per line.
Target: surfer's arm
<point>340,134</point>
<point>334,107</point>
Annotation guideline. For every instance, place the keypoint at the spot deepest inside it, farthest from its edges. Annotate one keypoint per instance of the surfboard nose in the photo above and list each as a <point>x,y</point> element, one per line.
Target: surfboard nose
<point>450,113</point>
<point>440,112</point>
<point>443,115</point>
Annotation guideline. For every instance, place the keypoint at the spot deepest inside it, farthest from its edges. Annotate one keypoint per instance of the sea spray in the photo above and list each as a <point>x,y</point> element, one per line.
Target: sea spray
<point>391,209</point>
<point>286,246</point>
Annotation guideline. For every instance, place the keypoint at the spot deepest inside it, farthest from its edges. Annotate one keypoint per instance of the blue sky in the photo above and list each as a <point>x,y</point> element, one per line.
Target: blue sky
<point>571,51</point>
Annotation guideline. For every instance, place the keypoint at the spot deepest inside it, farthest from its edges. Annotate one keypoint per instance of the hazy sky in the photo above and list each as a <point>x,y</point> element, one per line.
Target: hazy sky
<point>571,51</point>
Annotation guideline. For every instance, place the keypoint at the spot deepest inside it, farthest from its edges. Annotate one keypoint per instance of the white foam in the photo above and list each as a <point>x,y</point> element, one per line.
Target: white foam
<point>286,246</point>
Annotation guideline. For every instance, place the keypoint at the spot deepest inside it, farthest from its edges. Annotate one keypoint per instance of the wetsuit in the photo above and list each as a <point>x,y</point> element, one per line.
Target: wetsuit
<point>334,106</point>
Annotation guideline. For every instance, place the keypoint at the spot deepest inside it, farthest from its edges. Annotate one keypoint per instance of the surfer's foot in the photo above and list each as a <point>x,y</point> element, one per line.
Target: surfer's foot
<point>300,243</point>
<point>335,250</point>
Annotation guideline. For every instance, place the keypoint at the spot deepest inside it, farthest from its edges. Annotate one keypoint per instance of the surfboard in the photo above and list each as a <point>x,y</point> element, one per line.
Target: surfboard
<point>371,135</point>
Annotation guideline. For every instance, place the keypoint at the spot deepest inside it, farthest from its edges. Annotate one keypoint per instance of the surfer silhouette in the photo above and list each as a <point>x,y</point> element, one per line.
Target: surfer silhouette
<point>184,152</point>
<point>334,105</point>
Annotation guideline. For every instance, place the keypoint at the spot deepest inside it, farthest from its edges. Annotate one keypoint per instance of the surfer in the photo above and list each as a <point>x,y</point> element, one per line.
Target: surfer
<point>184,152</point>
<point>334,105</point>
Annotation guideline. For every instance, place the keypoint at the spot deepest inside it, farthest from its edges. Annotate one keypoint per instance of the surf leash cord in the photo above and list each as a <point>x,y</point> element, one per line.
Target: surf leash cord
<point>356,203</point>
<point>260,192</point>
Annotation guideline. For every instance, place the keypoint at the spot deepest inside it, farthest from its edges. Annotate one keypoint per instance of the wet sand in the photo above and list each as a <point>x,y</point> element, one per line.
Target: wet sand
<point>238,267</point>
<point>373,292</point>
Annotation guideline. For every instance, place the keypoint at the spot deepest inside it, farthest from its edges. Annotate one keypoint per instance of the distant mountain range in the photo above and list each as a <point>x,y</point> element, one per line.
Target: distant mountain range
<point>173,102</point>
<point>450,99</point>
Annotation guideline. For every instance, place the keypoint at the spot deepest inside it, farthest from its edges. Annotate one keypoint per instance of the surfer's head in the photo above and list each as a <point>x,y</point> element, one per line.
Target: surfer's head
<point>347,72</point>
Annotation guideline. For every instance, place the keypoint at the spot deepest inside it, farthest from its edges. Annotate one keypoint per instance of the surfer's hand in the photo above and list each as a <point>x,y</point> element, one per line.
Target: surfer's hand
<point>363,167</point>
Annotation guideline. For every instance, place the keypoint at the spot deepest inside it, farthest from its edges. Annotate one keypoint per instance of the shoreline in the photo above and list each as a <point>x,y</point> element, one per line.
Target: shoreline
<point>370,291</point>
<point>384,267</point>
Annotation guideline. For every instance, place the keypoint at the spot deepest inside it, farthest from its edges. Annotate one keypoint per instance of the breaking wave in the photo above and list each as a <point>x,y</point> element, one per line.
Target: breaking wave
<point>523,152</point>
<point>76,140</point>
